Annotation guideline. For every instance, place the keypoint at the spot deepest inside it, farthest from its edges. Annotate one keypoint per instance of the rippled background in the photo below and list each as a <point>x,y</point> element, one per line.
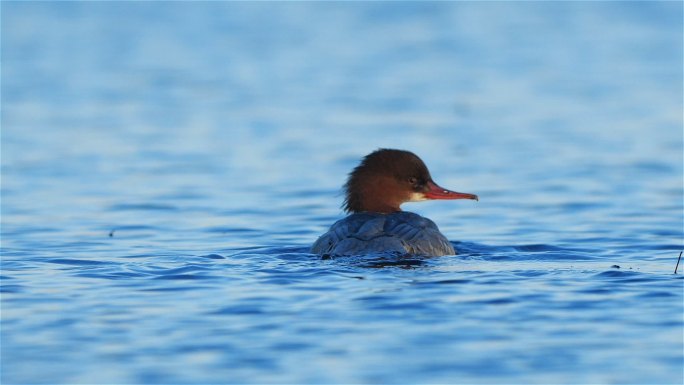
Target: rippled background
<point>165,167</point>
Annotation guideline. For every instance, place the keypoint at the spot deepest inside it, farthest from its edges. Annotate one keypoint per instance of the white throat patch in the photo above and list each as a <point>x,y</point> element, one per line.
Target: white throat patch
<point>417,197</point>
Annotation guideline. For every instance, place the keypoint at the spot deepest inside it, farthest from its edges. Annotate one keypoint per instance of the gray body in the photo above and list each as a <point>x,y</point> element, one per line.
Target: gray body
<point>365,232</point>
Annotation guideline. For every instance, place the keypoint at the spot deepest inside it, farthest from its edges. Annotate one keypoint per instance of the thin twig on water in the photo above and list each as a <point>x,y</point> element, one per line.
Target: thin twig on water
<point>678,259</point>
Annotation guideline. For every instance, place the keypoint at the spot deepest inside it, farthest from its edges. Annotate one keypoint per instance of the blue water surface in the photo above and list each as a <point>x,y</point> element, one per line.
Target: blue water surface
<point>166,166</point>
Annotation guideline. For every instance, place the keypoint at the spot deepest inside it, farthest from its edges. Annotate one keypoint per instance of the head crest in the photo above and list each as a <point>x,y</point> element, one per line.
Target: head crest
<point>398,164</point>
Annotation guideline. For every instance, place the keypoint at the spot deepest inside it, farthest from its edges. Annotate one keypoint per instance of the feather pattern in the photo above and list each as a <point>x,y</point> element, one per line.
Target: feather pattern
<point>365,232</point>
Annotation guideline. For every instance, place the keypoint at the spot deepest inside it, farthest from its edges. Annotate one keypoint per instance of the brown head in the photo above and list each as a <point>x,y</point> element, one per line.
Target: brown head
<point>387,178</point>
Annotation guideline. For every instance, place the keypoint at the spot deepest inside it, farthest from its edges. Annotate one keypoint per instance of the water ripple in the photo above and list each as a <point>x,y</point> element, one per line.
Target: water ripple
<point>157,215</point>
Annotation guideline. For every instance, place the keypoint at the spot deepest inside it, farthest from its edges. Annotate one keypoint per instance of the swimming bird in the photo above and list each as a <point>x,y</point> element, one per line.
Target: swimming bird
<point>374,192</point>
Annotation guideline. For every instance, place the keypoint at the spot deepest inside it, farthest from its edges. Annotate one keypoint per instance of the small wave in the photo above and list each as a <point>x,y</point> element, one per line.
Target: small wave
<point>212,256</point>
<point>78,262</point>
<point>238,310</point>
<point>142,207</point>
<point>445,282</point>
<point>403,263</point>
<point>112,276</point>
<point>617,274</point>
<point>495,301</point>
<point>231,230</point>
<point>376,261</point>
<point>184,277</point>
<point>627,276</point>
<point>658,294</point>
<point>11,288</point>
<point>536,248</point>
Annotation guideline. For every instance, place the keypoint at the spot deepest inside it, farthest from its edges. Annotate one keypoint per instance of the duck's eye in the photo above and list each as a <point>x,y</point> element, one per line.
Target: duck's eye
<point>413,181</point>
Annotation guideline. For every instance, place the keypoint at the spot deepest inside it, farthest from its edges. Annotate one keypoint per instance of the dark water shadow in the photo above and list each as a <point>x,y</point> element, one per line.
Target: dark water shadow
<point>526,252</point>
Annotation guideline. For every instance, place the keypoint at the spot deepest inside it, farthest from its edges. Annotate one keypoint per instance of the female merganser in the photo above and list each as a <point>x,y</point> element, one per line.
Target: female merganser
<point>375,189</point>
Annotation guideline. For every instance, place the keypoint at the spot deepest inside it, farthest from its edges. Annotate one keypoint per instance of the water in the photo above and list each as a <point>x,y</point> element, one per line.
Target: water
<point>165,168</point>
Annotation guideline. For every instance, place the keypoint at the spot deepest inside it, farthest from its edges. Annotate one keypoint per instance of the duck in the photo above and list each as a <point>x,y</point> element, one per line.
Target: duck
<point>374,192</point>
